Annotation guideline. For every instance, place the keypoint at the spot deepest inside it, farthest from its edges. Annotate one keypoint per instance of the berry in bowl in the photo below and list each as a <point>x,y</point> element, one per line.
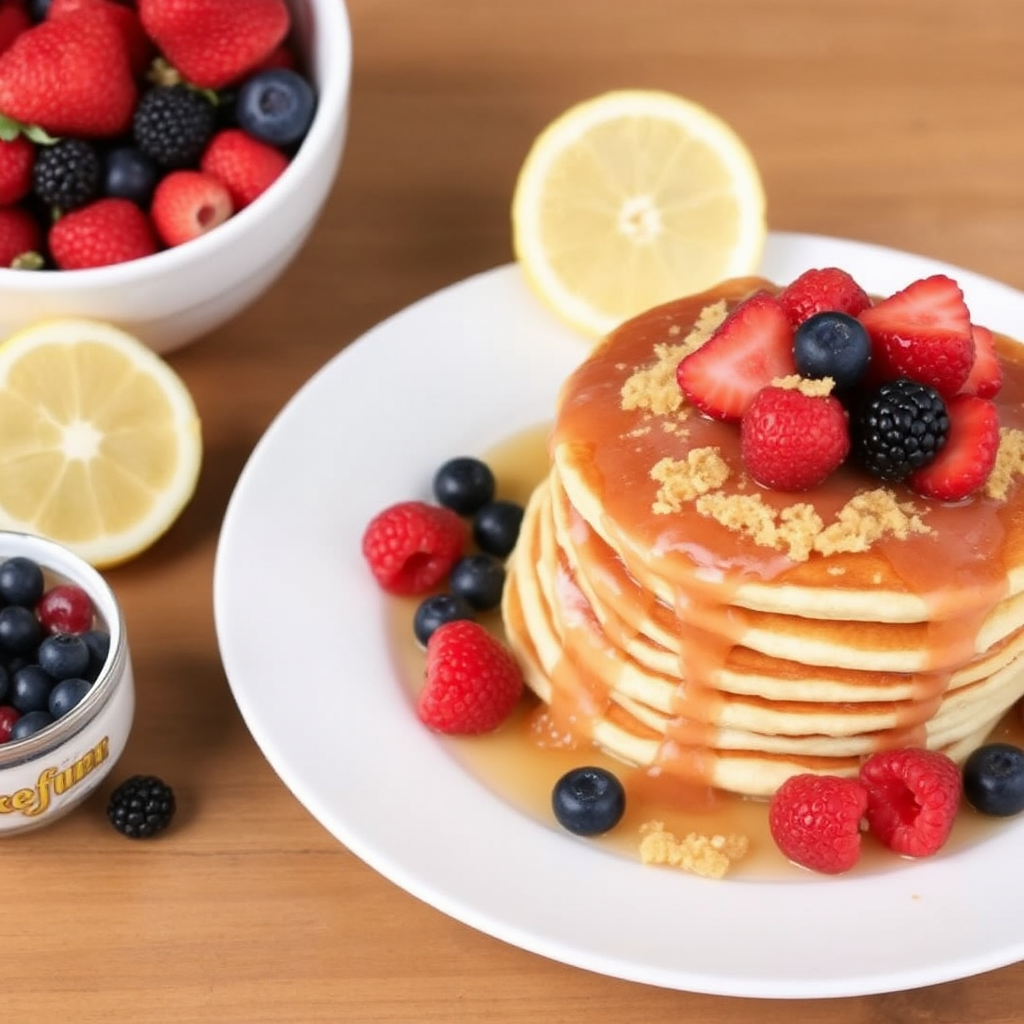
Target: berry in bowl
<point>172,191</point>
<point>67,693</point>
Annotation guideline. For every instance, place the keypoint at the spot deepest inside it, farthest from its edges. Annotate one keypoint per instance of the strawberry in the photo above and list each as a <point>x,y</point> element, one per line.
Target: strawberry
<point>17,157</point>
<point>986,376</point>
<point>410,547</point>
<point>829,290</point>
<point>247,166</point>
<point>69,76</point>
<point>750,348</point>
<point>103,232</point>
<point>815,821</point>
<point>968,456</point>
<point>922,332</point>
<point>187,204</point>
<point>282,57</point>
<point>472,682</point>
<point>13,21</point>
<point>213,43</point>
<point>21,238</point>
<point>913,796</point>
<point>137,45</point>
<point>791,441</point>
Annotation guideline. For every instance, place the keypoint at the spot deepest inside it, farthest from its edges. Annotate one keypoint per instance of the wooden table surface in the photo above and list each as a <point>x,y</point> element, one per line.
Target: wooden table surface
<point>895,123</point>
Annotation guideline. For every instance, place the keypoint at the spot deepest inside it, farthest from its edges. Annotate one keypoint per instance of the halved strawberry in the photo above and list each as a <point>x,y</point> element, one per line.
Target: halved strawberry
<point>969,454</point>
<point>750,348</point>
<point>986,376</point>
<point>922,332</point>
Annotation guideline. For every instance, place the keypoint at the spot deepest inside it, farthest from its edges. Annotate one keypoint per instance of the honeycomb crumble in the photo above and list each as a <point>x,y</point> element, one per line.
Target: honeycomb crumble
<point>1009,463</point>
<point>653,387</point>
<point>682,480</point>
<point>867,518</point>
<point>710,856</point>
<point>799,531</point>
<point>791,530</point>
<point>818,387</point>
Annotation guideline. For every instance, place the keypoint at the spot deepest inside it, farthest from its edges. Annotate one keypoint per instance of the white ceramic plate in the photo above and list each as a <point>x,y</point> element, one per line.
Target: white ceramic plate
<point>302,631</point>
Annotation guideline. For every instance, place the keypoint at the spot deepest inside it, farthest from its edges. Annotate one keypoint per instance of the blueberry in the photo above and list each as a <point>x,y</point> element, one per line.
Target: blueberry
<point>496,527</point>
<point>276,106</point>
<point>5,684</point>
<point>994,779</point>
<point>464,484</point>
<point>129,174</point>
<point>30,688</point>
<point>67,694</point>
<point>21,581</point>
<point>20,631</point>
<point>30,723</point>
<point>63,655</point>
<point>37,9</point>
<point>479,580</point>
<point>435,611</point>
<point>832,345</point>
<point>588,801</point>
<point>98,643</point>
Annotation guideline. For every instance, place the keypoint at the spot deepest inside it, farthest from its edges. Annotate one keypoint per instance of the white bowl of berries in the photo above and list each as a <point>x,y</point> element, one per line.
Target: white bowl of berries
<point>163,161</point>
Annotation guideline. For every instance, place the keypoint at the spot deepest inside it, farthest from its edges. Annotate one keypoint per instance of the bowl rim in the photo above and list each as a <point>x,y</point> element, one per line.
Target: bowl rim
<point>330,62</point>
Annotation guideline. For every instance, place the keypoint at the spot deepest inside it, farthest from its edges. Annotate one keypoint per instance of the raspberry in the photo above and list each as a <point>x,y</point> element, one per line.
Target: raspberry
<point>815,821</point>
<point>791,441</point>
<point>410,547</point>
<point>913,796</point>
<point>141,806</point>
<point>829,290</point>
<point>473,683</point>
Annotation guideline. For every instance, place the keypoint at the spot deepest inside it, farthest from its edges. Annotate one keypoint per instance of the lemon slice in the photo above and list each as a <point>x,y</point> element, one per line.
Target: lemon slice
<point>631,199</point>
<point>100,445</point>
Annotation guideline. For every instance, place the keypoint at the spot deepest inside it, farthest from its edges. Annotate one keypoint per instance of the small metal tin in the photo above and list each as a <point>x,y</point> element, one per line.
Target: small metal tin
<point>45,775</point>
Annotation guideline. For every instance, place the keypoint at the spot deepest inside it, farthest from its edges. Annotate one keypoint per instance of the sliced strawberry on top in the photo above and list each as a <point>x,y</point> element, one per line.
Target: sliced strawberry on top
<point>986,376</point>
<point>966,461</point>
<point>750,348</point>
<point>825,290</point>
<point>922,332</point>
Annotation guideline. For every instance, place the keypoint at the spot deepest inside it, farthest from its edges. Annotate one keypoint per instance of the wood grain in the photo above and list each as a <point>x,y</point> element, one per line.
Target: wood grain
<point>896,123</point>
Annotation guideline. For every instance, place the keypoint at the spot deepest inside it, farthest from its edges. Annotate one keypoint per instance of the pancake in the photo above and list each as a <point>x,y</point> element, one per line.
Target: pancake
<point>674,613</point>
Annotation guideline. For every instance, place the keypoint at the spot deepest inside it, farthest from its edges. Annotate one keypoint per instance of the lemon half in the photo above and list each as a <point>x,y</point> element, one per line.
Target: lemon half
<point>631,199</point>
<point>100,441</point>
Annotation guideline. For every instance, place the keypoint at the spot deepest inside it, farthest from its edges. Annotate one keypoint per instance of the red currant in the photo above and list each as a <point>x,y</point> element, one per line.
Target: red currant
<point>65,608</point>
<point>8,716</point>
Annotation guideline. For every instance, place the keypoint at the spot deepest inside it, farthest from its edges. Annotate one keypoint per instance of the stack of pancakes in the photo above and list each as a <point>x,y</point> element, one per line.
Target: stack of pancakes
<point>682,618</point>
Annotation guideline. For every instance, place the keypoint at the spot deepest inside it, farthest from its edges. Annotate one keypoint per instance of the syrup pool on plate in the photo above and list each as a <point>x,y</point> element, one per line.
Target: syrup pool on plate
<point>521,767</point>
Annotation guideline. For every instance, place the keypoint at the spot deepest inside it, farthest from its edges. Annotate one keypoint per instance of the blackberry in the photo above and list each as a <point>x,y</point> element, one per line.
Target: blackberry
<point>67,174</point>
<point>899,427</point>
<point>141,806</point>
<point>173,124</point>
